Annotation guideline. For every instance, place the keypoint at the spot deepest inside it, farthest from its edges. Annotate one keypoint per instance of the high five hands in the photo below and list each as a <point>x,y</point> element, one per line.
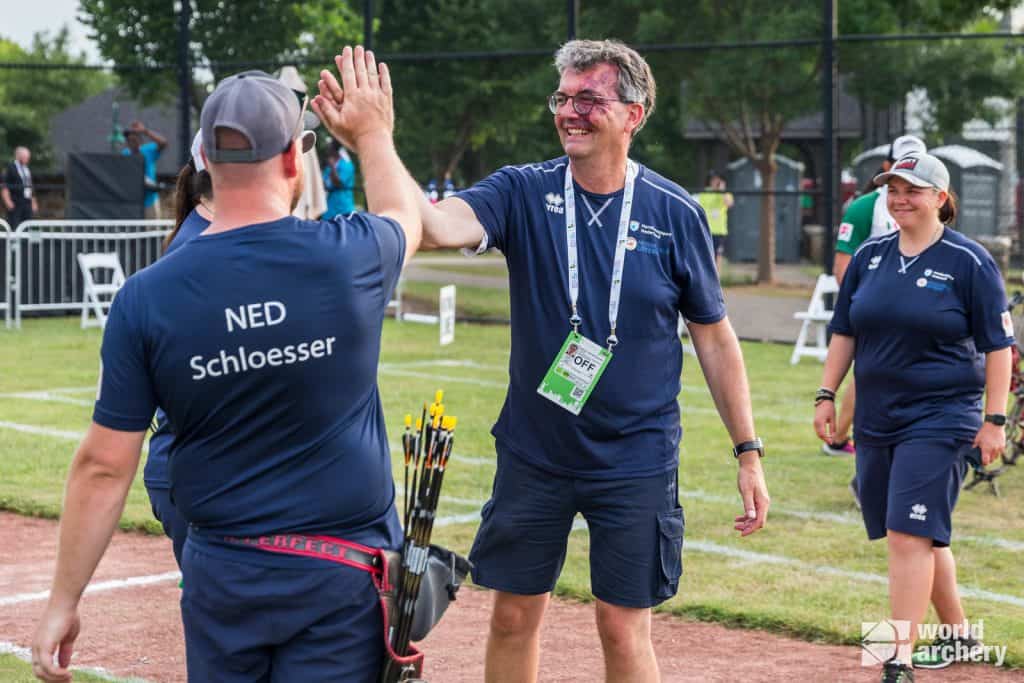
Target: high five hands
<point>361,105</point>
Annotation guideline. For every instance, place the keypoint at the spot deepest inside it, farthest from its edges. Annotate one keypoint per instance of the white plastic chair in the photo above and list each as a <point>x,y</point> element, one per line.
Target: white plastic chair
<point>96,294</point>
<point>812,340</point>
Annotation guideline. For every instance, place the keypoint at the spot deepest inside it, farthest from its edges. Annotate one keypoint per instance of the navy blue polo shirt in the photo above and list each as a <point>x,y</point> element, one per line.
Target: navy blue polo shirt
<point>921,326</point>
<point>262,344</point>
<point>155,473</point>
<point>630,425</point>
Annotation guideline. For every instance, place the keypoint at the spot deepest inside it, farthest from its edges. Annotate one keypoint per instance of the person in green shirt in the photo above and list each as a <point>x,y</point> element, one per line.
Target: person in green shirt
<point>716,203</point>
<point>866,216</point>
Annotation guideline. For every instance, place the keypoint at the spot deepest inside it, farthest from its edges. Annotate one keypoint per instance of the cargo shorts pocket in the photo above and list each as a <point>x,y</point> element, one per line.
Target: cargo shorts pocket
<point>670,537</point>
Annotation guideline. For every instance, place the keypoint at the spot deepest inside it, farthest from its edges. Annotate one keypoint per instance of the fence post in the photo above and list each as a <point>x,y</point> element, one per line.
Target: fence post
<point>184,83</point>
<point>828,128</point>
<point>368,24</point>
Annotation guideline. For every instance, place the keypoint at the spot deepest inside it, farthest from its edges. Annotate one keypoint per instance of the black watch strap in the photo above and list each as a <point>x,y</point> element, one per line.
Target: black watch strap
<point>998,419</point>
<point>752,445</point>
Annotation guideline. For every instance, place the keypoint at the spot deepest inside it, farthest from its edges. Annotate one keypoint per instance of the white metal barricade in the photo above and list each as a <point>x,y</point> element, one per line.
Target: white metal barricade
<point>6,274</point>
<point>43,257</point>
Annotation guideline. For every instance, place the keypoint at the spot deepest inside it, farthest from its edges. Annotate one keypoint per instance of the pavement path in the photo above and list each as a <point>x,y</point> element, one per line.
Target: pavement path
<point>756,315</point>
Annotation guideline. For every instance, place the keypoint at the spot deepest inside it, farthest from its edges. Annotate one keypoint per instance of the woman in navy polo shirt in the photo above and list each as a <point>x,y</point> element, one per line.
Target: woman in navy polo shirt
<point>923,311</point>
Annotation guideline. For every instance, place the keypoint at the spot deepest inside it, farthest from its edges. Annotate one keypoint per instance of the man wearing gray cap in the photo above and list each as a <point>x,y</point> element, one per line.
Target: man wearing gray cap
<point>244,337</point>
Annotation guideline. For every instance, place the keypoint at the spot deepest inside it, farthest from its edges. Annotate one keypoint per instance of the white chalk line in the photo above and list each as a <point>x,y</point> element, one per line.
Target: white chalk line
<point>851,520</point>
<point>102,586</point>
<point>49,396</point>
<point>25,655</point>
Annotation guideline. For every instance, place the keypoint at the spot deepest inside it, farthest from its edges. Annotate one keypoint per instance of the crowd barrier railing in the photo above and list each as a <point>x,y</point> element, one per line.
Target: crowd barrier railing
<point>41,258</point>
<point>6,274</point>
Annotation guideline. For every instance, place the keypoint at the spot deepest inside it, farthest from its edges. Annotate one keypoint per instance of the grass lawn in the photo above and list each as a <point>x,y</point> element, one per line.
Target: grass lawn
<point>811,572</point>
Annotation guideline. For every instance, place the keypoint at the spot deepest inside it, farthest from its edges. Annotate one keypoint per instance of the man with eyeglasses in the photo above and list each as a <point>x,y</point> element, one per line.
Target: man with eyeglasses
<point>245,336</point>
<point>603,255</point>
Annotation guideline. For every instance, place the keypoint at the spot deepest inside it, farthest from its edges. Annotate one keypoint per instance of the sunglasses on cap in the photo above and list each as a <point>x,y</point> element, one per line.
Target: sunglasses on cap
<point>307,138</point>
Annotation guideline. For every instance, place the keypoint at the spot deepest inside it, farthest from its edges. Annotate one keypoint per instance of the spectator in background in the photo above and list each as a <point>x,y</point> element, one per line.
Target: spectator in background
<point>449,187</point>
<point>150,151</point>
<point>339,182</point>
<point>716,202</point>
<point>18,192</point>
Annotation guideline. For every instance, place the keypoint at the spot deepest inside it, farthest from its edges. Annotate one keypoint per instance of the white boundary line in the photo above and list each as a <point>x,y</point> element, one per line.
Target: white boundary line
<point>101,587</point>
<point>53,397</point>
<point>697,545</point>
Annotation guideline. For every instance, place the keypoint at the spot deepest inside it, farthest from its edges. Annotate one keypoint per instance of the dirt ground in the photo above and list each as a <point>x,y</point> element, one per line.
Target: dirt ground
<point>134,629</point>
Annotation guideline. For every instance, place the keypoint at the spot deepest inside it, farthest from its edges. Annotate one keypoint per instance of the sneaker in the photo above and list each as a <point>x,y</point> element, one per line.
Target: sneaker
<point>896,671</point>
<point>855,491</point>
<point>942,652</point>
<point>838,448</point>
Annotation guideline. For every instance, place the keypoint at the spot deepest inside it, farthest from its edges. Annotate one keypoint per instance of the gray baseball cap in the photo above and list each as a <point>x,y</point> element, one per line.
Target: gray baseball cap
<point>923,170</point>
<point>265,111</point>
<point>904,145</point>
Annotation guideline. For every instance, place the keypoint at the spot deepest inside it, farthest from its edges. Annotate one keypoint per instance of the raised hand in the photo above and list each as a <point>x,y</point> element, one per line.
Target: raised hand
<point>361,105</point>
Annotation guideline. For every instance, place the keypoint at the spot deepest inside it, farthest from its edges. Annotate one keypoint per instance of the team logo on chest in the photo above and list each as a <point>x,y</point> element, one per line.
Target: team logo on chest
<point>873,263</point>
<point>553,202</point>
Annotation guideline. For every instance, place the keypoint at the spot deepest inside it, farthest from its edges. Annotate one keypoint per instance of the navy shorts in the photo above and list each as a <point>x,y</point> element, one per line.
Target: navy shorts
<point>174,524</point>
<point>911,487</point>
<point>718,242</point>
<point>252,623</point>
<point>636,533</point>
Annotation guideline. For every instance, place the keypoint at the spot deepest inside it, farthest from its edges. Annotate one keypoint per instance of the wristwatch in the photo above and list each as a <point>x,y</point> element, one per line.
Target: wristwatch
<point>998,419</point>
<point>753,445</point>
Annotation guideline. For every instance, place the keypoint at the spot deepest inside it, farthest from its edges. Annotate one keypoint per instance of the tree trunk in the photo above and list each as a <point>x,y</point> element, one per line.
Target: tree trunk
<point>766,248</point>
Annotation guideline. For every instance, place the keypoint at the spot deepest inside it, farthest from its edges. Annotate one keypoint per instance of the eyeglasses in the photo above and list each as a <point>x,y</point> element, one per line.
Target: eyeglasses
<point>582,103</point>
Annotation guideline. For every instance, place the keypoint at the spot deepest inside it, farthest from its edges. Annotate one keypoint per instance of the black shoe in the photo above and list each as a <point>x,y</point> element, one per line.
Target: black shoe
<point>896,671</point>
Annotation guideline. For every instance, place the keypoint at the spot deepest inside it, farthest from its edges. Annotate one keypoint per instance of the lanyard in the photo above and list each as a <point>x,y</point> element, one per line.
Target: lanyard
<point>620,251</point>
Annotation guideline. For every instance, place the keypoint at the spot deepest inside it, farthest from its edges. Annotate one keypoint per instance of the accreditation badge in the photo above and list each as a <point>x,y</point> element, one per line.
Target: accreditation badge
<point>574,372</point>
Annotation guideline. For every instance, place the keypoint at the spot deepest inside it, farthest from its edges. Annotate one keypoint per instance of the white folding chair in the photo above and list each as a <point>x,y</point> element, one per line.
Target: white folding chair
<point>98,296</point>
<point>812,340</point>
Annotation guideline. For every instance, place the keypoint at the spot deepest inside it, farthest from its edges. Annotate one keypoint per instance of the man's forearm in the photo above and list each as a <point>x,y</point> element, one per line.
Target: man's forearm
<point>93,503</point>
<point>388,185</point>
<point>721,359</point>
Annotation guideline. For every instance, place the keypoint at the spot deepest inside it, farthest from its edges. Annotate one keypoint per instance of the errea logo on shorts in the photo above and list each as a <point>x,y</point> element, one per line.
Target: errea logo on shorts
<point>553,202</point>
<point>919,512</point>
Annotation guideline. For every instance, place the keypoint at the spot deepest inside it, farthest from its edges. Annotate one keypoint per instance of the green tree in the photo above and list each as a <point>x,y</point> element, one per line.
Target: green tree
<point>30,97</point>
<point>449,109</point>
<point>959,76</point>
<point>144,33</point>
